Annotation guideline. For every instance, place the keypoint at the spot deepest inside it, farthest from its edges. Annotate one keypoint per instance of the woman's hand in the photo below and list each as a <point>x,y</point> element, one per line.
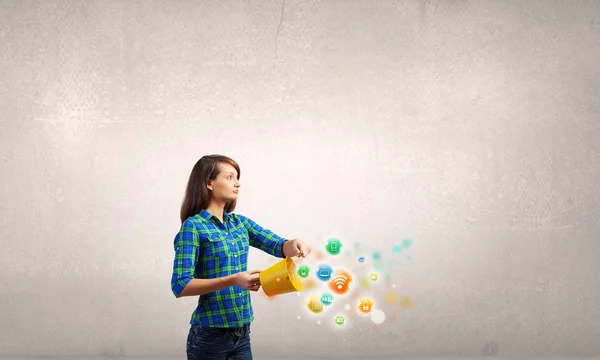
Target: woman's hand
<point>296,247</point>
<point>249,280</point>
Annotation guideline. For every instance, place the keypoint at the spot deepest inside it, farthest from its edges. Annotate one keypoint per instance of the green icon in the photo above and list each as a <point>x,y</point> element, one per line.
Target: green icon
<point>333,246</point>
<point>340,320</point>
<point>373,276</point>
<point>326,299</point>
<point>303,271</point>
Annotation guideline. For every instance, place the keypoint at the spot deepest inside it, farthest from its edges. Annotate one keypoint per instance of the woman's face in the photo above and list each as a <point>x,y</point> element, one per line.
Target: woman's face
<point>226,185</point>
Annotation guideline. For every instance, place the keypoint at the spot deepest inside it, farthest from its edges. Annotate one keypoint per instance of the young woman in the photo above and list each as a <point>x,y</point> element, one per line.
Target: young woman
<point>211,254</point>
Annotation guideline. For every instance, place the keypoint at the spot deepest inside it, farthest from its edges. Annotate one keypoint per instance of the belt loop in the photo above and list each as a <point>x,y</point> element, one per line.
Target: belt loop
<point>238,331</point>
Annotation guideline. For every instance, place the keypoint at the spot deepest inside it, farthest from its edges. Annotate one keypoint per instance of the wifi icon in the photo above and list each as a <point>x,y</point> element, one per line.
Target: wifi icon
<point>340,282</point>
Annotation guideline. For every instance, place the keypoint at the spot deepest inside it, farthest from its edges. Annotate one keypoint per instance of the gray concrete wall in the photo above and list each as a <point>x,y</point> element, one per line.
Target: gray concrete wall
<point>470,127</point>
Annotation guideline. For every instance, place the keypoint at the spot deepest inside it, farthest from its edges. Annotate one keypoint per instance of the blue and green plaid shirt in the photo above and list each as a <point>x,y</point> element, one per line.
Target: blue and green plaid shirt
<point>205,248</point>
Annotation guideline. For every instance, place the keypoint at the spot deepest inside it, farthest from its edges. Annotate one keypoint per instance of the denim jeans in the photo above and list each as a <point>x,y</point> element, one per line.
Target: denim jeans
<point>209,343</point>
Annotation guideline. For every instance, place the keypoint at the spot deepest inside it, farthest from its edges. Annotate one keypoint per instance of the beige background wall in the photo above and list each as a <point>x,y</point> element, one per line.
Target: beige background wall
<point>470,127</point>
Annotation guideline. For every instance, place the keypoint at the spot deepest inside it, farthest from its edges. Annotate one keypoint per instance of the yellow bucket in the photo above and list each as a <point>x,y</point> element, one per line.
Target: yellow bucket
<point>280,278</point>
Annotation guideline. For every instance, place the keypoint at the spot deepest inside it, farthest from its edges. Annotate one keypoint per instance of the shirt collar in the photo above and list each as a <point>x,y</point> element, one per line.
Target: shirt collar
<point>207,216</point>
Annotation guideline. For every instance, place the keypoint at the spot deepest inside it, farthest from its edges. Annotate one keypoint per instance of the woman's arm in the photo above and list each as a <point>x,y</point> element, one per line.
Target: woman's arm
<point>263,239</point>
<point>204,286</point>
<point>295,247</point>
<point>271,243</point>
<point>186,244</point>
<point>248,280</point>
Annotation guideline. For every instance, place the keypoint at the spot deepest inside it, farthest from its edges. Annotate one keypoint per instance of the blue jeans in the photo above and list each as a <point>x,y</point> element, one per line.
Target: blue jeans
<point>209,343</point>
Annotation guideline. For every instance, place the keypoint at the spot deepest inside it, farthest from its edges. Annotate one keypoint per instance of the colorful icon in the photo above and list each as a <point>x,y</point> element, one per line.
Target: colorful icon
<point>314,304</point>
<point>406,302</point>
<point>391,297</point>
<point>361,259</point>
<point>373,276</point>
<point>326,299</point>
<point>324,272</point>
<point>333,246</point>
<point>340,320</point>
<point>397,249</point>
<point>309,284</point>
<point>365,306</point>
<point>365,283</point>
<point>340,283</point>
<point>303,271</point>
<point>406,243</point>
<point>376,255</point>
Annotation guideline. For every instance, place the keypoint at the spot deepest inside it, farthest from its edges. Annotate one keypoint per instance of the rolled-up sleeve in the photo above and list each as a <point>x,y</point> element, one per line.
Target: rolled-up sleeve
<point>186,245</point>
<point>263,239</point>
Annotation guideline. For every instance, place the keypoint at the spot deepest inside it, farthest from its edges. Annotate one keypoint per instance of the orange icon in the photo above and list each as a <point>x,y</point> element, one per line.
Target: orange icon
<point>365,306</point>
<point>340,281</point>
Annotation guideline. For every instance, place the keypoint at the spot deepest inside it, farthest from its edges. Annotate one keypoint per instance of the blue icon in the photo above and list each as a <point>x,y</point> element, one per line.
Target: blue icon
<point>324,272</point>
<point>361,259</point>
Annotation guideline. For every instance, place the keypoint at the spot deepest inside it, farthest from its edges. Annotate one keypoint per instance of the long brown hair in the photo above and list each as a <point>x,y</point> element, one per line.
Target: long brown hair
<point>197,196</point>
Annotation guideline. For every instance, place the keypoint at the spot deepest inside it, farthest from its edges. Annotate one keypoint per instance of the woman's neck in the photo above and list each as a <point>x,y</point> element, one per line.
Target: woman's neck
<point>216,210</point>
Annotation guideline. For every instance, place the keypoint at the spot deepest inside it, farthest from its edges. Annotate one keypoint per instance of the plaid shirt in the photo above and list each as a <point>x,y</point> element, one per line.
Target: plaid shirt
<point>205,248</point>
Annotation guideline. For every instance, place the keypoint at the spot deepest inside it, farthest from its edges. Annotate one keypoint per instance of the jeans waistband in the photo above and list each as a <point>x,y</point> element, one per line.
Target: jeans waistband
<point>237,331</point>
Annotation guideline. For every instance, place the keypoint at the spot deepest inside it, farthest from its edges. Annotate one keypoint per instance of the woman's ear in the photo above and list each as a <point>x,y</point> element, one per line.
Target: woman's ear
<point>209,185</point>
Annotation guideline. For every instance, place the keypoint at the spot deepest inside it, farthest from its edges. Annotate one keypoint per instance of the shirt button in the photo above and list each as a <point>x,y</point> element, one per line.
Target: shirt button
<point>237,268</point>
<point>240,294</point>
<point>235,255</point>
